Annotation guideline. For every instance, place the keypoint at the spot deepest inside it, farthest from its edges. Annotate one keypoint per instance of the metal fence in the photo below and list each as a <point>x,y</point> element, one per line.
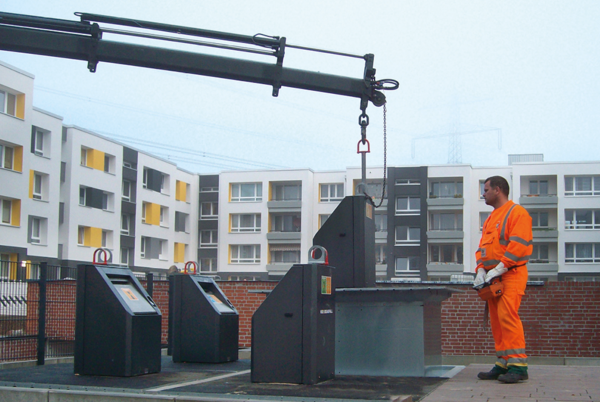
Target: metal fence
<point>37,310</point>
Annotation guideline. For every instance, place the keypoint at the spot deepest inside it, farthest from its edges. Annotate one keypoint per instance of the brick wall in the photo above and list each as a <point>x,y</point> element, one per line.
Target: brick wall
<point>561,319</point>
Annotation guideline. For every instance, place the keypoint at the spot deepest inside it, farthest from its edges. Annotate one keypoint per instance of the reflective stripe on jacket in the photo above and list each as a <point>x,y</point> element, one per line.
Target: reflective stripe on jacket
<point>506,238</point>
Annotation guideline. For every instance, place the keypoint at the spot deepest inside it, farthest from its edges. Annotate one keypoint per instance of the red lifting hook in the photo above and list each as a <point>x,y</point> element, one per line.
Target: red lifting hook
<point>358,151</point>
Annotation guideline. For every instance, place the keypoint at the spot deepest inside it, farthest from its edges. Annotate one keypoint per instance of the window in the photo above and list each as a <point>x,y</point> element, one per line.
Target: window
<point>446,189</point>
<point>582,185</point>
<point>380,223</point>
<point>246,192</point>
<point>404,264</point>
<point>286,223</point>
<point>322,219</point>
<point>539,220</point>
<point>539,254</point>
<point>37,186</point>
<point>81,235</point>
<point>107,238</point>
<point>82,196</point>
<point>209,238</point>
<point>582,219</point>
<point>124,256</point>
<point>332,192</point>
<point>209,189</point>
<point>405,234</point>
<point>126,193</point>
<point>153,248</point>
<point>84,155</point>
<point>481,187</point>
<point>582,253</point>
<point>446,221</point>
<point>446,254</point>
<point>7,156</point>
<point>107,161</point>
<point>6,211</point>
<point>155,181</point>
<point>38,142</point>
<point>8,103</point>
<point>208,265</point>
<point>209,210</point>
<point>482,218</point>
<point>181,221</point>
<point>538,187</point>
<point>107,201</point>
<point>408,205</point>
<point>35,231</point>
<point>287,192</point>
<point>164,216</point>
<point>244,254</point>
<point>408,182</point>
<point>126,224</point>
<point>244,223</point>
<point>285,253</point>
<point>380,254</point>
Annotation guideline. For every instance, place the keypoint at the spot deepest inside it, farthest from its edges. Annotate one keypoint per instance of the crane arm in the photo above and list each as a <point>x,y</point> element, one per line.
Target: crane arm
<point>83,41</point>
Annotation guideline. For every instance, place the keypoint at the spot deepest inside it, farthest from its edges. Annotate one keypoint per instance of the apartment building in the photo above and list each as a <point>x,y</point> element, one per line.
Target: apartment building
<point>29,176</point>
<point>66,191</point>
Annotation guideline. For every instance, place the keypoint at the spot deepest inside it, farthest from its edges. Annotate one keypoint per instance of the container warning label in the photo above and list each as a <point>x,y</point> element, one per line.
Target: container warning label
<point>326,285</point>
<point>129,293</point>
<point>369,210</point>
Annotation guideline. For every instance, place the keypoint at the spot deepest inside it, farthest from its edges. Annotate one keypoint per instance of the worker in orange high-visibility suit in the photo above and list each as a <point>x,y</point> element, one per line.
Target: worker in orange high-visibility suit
<point>504,249</point>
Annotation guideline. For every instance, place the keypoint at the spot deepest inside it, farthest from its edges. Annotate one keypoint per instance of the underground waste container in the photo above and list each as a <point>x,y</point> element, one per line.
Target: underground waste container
<point>204,324</point>
<point>293,330</point>
<point>117,324</point>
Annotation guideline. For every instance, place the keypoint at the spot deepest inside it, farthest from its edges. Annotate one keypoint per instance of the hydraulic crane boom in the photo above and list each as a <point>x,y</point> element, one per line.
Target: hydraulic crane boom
<point>82,40</point>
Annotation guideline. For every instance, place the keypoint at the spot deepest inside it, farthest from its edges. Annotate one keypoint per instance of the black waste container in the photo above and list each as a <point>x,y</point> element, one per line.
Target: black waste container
<point>117,324</point>
<point>293,330</point>
<point>204,325</point>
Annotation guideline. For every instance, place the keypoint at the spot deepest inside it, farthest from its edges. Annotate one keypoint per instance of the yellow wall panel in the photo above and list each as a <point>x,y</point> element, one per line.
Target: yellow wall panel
<point>20,112</point>
<point>31,178</point>
<point>16,213</point>
<point>181,191</point>
<point>95,159</point>
<point>179,252</point>
<point>152,213</point>
<point>92,237</point>
<point>18,159</point>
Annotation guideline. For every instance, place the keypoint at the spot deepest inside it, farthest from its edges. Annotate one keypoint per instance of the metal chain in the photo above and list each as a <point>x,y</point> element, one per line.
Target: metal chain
<point>384,153</point>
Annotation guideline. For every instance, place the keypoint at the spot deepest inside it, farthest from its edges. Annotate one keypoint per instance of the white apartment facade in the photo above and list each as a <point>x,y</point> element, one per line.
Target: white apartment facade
<point>66,191</point>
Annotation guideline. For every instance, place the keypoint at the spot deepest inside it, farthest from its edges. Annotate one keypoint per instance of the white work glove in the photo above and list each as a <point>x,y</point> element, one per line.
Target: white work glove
<point>495,272</point>
<point>479,279</point>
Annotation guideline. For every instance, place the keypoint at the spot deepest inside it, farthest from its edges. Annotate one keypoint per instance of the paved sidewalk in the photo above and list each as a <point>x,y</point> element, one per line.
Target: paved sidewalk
<point>546,383</point>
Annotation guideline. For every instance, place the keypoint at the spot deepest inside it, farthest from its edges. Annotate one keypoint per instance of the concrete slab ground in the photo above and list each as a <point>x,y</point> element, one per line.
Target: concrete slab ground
<point>230,382</point>
<point>546,383</point>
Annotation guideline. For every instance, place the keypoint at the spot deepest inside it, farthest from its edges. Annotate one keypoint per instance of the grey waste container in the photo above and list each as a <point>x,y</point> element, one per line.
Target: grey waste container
<point>293,330</point>
<point>117,324</point>
<point>204,325</point>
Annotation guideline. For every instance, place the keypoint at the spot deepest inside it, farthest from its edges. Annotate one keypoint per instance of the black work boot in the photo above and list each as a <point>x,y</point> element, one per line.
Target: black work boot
<point>493,374</point>
<point>514,375</point>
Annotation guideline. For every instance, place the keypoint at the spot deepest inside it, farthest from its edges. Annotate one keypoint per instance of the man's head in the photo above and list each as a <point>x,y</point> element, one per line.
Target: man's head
<point>495,191</point>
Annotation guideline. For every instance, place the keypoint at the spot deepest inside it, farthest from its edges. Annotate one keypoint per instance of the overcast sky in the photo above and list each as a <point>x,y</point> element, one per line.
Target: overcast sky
<point>527,68</point>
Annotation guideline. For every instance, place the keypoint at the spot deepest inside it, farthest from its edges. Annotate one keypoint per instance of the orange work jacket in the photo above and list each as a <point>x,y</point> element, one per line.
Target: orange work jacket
<point>506,238</point>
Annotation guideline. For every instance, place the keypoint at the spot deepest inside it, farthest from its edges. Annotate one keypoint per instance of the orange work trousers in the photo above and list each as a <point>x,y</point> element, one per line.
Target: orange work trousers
<point>507,328</point>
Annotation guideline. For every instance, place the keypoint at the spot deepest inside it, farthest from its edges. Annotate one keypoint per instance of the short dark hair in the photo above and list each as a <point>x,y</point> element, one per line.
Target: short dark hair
<point>500,182</point>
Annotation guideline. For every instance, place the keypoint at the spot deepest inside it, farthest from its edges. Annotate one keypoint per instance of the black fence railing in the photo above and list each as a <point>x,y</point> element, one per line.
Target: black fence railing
<point>37,310</point>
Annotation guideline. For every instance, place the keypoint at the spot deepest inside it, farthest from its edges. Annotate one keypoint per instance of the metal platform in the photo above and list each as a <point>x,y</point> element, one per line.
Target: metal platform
<point>200,382</point>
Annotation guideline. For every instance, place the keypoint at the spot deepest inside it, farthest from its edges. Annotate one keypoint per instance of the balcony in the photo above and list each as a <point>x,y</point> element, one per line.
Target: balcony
<point>545,233</point>
<point>445,235</point>
<point>539,200</point>
<point>445,268</point>
<point>275,237</point>
<point>285,206</point>
<point>439,203</point>
<point>542,267</point>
